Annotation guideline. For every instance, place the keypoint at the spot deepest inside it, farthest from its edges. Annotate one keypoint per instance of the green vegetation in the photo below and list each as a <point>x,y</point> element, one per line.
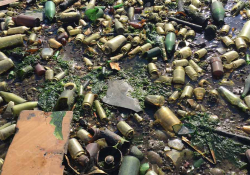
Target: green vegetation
<point>139,78</point>
<point>20,54</point>
<point>224,148</point>
<point>16,52</point>
<point>62,63</point>
<point>108,2</point>
<point>172,5</point>
<point>57,118</point>
<point>28,60</point>
<point>50,91</point>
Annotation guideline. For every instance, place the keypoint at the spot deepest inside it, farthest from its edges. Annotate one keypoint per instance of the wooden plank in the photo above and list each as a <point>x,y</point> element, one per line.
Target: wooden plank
<point>36,149</point>
<point>6,2</point>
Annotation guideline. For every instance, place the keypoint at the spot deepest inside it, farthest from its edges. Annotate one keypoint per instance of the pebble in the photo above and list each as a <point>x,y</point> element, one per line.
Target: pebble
<point>176,144</point>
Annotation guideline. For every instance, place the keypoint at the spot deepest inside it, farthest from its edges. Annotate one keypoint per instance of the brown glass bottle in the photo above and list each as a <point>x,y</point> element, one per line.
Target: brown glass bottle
<point>136,25</point>
<point>39,69</point>
<point>28,21</point>
<point>62,36</point>
<point>217,67</point>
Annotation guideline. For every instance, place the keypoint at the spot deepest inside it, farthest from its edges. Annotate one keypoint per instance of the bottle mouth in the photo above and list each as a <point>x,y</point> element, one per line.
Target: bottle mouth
<point>221,21</point>
<point>37,22</point>
<point>107,50</point>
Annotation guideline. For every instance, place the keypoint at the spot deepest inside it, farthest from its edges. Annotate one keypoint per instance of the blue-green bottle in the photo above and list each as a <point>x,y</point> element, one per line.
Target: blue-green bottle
<point>50,10</point>
<point>218,11</point>
<point>246,87</point>
<point>170,41</point>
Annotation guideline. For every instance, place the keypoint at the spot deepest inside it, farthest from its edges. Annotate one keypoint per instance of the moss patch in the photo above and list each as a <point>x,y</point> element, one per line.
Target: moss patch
<point>224,148</point>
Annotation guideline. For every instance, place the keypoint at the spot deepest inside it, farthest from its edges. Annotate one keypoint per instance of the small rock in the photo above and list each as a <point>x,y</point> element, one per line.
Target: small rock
<point>154,158</point>
<point>176,144</point>
<point>166,148</point>
<point>155,144</point>
<point>160,135</point>
<point>213,118</point>
<point>217,171</point>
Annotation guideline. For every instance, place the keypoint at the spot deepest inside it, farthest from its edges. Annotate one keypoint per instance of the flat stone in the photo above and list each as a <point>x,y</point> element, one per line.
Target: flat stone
<point>40,143</point>
<point>118,94</point>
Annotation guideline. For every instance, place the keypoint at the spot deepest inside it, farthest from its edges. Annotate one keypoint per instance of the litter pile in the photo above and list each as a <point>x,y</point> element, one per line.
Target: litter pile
<point>121,87</point>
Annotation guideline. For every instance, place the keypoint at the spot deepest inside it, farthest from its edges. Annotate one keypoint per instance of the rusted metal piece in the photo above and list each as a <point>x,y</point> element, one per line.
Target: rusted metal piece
<point>111,157</point>
<point>39,70</point>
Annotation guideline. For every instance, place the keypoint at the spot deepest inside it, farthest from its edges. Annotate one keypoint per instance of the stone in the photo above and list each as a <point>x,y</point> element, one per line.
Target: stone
<point>118,94</point>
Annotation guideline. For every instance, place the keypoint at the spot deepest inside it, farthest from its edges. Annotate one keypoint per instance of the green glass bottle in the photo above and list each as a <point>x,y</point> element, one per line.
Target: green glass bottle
<point>170,41</point>
<point>246,87</point>
<point>50,10</point>
<point>218,11</point>
<point>118,6</point>
<point>144,168</point>
<point>232,98</point>
<point>248,59</point>
<point>130,166</point>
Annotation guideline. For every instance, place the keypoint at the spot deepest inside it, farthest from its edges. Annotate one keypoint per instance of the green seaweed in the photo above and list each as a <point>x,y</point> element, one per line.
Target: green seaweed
<point>50,91</point>
<point>138,78</point>
<point>62,63</point>
<point>49,95</point>
<point>57,118</point>
<point>98,83</point>
<point>224,148</point>
<point>16,52</point>
<point>172,5</point>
